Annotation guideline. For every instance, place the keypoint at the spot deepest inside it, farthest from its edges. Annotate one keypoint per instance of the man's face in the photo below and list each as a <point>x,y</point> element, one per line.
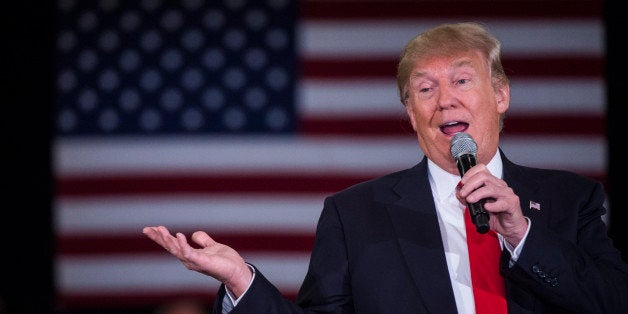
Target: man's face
<point>450,94</point>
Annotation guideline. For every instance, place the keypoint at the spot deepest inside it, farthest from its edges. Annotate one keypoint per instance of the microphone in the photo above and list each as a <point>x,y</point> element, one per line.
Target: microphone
<point>463,149</point>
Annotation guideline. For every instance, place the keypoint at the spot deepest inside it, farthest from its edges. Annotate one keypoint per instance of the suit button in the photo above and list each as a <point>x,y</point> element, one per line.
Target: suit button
<point>536,269</point>
<point>554,282</point>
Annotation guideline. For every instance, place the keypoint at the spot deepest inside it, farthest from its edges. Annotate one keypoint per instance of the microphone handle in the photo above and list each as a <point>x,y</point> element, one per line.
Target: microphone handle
<point>479,216</point>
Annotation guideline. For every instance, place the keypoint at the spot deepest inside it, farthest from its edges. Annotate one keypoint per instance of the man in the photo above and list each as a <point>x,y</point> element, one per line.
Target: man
<point>398,243</point>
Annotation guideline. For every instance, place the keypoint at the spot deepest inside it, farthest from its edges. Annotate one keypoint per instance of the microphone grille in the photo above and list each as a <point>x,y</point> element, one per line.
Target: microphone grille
<point>462,144</point>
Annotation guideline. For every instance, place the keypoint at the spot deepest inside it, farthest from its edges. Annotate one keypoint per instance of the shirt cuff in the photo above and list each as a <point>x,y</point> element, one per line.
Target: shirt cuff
<point>232,298</point>
<point>515,251</point>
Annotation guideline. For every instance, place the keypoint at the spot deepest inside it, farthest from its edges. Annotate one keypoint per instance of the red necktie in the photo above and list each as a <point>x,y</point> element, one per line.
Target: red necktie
<point>488,285</point>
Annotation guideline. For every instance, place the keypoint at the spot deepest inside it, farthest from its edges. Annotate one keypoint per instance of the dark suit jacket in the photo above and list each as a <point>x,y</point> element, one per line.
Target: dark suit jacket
<point>378,249</point>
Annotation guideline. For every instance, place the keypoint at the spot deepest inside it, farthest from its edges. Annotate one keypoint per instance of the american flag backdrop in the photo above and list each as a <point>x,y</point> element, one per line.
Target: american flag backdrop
<point>239,117</point>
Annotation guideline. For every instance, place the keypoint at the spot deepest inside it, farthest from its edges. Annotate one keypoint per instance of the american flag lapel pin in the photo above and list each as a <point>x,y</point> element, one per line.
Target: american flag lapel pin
<point>535,205</point>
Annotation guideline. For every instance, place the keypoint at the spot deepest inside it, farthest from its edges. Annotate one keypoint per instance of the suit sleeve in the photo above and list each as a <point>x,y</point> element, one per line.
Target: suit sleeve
<point>568,261</point>
<point>325,288</point>
<point>262,297</point>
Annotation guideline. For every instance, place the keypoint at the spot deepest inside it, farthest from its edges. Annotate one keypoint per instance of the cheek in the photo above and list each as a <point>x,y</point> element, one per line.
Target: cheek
<point>410,113</point>
<point>421,110</point>
<point>424,114</point>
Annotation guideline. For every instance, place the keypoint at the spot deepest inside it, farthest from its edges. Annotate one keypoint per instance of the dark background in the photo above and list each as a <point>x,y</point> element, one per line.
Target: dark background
<point>26,277</point>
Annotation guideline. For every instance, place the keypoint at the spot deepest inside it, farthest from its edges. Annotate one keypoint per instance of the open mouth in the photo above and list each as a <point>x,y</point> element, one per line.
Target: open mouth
<point>452,128</point>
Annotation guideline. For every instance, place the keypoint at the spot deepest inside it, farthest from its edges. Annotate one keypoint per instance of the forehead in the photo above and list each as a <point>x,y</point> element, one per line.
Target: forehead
<point>438,63</point>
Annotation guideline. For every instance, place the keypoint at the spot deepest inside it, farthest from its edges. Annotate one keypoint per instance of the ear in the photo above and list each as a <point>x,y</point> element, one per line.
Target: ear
<point>502,95</point>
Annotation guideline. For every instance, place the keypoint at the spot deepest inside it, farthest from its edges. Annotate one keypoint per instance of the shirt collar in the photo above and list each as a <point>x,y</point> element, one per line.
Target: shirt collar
<point>444,183</point>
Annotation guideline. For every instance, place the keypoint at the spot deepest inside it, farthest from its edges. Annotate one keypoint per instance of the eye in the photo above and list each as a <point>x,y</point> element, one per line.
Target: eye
<point>422,88</point>
<point>462,81</point>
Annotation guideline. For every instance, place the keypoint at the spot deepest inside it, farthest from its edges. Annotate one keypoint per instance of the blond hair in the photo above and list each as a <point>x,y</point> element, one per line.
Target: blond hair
<point>448,39</point>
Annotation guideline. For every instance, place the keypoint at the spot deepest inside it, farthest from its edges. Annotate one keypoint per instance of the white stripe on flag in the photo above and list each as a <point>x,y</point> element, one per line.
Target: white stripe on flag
<point>300,155</point>
<point>385,38</point>
<point>241,213</point>
<point>379,98</point>
<point>124,274</point>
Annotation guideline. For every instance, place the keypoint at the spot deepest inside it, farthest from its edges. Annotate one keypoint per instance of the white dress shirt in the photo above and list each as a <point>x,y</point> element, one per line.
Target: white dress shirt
<point>450,214</point>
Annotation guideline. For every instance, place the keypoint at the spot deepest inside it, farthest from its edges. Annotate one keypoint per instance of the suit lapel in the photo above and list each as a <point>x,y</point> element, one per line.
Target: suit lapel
<point>413,215</point>
<point>534,205</point>
<point>414,218</point>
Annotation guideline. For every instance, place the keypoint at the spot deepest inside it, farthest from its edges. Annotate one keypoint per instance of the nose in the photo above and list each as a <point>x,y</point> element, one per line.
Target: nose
<point>446,97</point>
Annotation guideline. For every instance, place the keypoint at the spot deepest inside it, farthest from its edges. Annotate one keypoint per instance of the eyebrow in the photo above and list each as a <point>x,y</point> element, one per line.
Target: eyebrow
<point>462,63</point>
<point>456,64</point>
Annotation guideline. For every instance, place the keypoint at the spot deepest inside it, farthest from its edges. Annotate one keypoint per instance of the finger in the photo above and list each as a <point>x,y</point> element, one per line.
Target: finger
<point>500,182</point>
<point>162,236</point>
<point>186,252</point>
<point>150,232</point>
<point>203,239</point>
<point>156,234</point>
<point>485,192</point>
<point>478,176</point>
<point>182,244</point>
<point>166,240</point>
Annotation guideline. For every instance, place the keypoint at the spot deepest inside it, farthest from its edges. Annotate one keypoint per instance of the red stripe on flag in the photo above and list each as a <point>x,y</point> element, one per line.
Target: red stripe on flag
<point>559,66</point>
<point>92,185</point>
<point>513,125</point>
<point>103,244</point>
<point>74,186</point>
<point>140,299</point>
<point>347,10</point>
